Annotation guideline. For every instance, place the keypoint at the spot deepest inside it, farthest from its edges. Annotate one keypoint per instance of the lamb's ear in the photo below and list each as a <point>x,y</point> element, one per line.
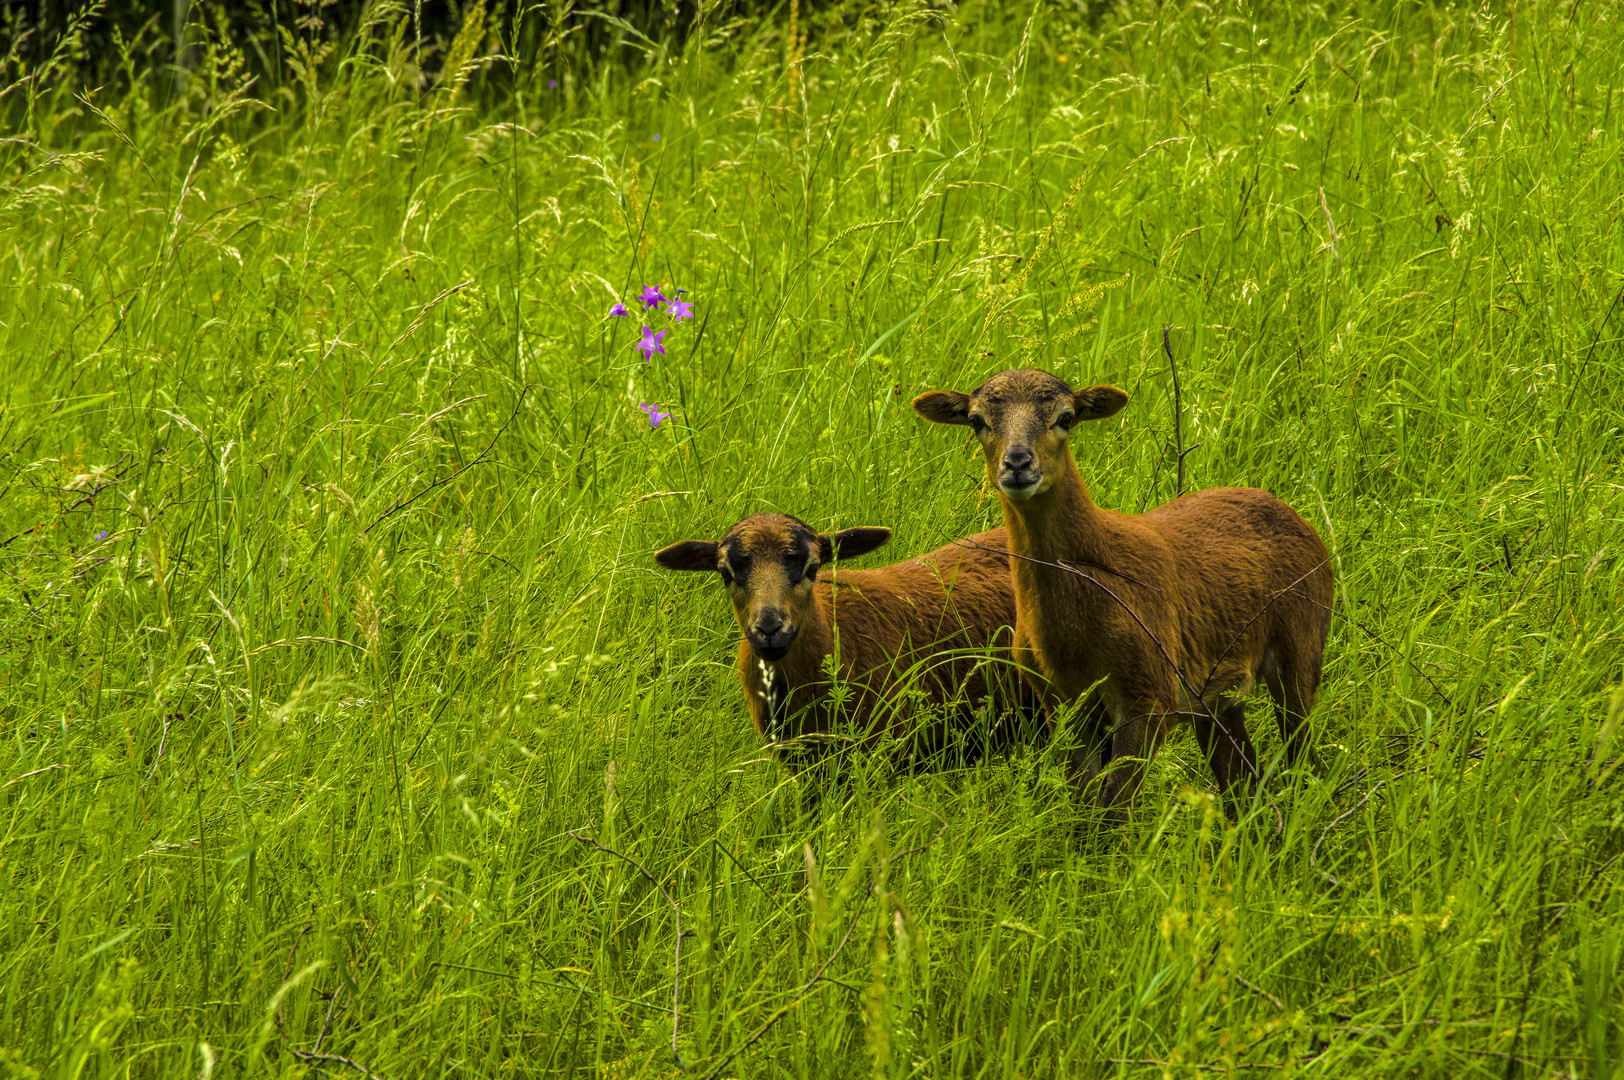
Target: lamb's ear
<point>688,555</point>
<point>1098,402</point>
<point>850,543</point>
<point>943,406</point>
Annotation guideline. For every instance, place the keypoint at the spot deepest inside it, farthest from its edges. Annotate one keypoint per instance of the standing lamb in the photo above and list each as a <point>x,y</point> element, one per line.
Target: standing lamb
<point>1175,612</point>
<point>941,624</point>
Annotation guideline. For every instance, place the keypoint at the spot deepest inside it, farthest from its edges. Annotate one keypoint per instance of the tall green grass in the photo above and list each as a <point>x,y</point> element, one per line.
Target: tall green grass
<point>292,752</point>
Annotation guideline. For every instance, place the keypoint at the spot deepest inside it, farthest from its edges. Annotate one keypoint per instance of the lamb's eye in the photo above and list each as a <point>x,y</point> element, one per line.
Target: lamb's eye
<point>727,576</point>
<point>978,425</point>
<point>1065,420</point>
<point>811,572</point>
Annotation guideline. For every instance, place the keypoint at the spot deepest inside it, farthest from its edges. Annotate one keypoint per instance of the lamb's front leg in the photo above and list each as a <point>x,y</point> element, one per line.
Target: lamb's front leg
<point>1030,670</point>
<point>1090,747</point>
<point>1140,719</point>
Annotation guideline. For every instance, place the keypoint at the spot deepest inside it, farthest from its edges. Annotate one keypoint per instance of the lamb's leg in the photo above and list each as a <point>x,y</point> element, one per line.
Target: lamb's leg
<point>1229,751</point>
<point>1090,745</point>
<point>1039,696</point>
<point>1293,682</point>
<point>1087,742</point>
<point>1138,730</point>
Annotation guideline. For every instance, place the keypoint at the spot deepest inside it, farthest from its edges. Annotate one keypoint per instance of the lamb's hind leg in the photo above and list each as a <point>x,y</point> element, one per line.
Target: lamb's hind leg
<point>1293,682</point>
<point>1229,751</point>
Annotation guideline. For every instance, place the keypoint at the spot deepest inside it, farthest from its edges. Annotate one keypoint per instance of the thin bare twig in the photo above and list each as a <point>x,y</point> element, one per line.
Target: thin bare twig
<point>1383,641</point>
<point>316,1055</point>
<point>1584,364</point>
<point>1512,1061</point>
<point>784,1009</point>
<point>1340,818</point>
<point>1276,1002</point>
<point>1248,624</point>
<point>335,1059</point>
<point>1187,1065</point>
<point>818,976</point>
<point>1178,423</point>
<point>1589,881</point>
<point>96,489</point>
<point>748,875</point>
<point>905,852</point>
<point>327,1023</point>
<point>480,460</point>
<point>676,959</point>
<point>1129,578</point>
<point>19,536</point>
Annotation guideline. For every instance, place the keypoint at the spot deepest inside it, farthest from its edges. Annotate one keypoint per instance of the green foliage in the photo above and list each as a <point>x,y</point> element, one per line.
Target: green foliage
<point>292,751</point>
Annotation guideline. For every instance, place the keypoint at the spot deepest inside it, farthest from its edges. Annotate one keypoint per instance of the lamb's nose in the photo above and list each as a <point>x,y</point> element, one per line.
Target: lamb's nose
<point>773,631</point>
<point>1018,458</point>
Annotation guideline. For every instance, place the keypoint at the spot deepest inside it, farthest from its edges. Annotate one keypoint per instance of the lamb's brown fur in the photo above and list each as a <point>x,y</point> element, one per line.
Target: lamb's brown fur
<point>1230,586</point>
<point>931,622</point>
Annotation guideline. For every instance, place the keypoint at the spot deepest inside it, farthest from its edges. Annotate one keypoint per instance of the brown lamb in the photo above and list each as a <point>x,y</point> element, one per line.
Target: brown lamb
<point>941,623</point>
<point>1146,617</point>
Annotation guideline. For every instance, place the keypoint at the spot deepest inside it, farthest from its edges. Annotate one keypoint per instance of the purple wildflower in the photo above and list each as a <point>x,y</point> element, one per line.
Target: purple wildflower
<point>656,136</point>
<point>102,535</point>
<point>651,343</point>
<point>654,415</point>
<point>618,311</point>
<point>679,309</point>
<point>552,84</point>
<point>651,297</point>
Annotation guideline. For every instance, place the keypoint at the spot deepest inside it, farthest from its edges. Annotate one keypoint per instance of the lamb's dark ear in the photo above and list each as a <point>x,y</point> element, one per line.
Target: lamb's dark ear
<point>943,406</point>
<point>1098,402</point>
<point>850,543</point>
<point>688,555</point>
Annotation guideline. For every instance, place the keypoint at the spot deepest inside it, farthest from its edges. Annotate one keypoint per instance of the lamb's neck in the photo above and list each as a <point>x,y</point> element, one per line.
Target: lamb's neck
<point>1061,525</point>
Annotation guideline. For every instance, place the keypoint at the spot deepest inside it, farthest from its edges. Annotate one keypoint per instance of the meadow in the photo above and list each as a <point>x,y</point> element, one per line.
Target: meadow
<point>327,606</point>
